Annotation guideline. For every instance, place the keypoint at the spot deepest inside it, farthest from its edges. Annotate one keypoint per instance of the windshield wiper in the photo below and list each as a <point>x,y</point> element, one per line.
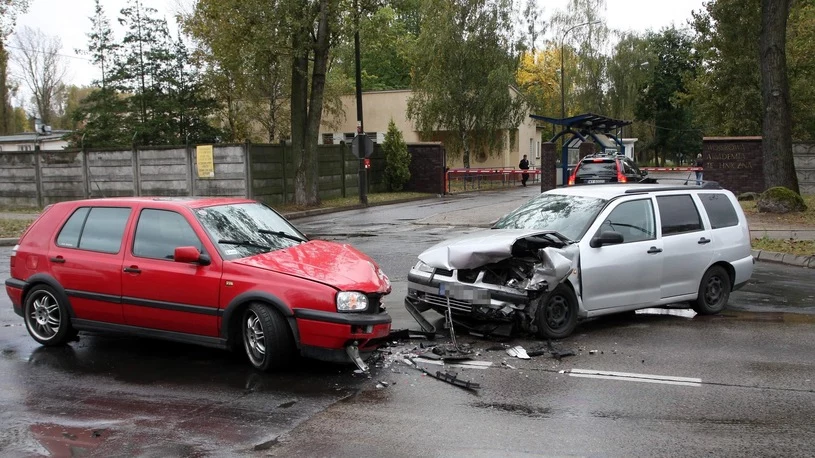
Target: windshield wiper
<point>282,234</point>
<point>244,243</point>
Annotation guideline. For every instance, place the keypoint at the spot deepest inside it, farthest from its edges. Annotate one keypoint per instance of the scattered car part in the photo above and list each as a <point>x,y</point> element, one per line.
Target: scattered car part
<point>353,353</point>
<point>453,380</point>
<point>518,352</point>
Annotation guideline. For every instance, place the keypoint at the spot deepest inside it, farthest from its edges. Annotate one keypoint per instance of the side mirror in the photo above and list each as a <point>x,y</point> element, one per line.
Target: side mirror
<point>644,173</point>
<point>606,238</point>
<point>190,254</point>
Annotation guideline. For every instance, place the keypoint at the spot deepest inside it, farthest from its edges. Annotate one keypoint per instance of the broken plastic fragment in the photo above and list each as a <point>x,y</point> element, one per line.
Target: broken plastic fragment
<point>518,352</point>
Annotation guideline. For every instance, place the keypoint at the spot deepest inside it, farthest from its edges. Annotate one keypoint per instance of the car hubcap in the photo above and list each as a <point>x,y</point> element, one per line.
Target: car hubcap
<point>713,293</point>
<point>253,337</point>
<point>557,312</point>
<point>45,317</point>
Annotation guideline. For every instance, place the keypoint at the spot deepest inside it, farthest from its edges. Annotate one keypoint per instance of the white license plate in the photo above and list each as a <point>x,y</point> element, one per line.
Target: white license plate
<point>595,181</point>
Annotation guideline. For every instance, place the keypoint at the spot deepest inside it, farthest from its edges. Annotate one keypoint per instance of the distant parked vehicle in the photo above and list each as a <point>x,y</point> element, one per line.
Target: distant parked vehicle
<point>607,168</point>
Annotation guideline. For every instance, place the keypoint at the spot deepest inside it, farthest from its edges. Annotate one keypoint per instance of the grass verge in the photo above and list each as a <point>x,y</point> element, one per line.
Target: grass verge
<point>796,247</point>
<point>12,228</point>
<point>340,202</point>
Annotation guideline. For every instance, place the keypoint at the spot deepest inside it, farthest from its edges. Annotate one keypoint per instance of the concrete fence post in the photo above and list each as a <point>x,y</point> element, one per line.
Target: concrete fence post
<point>86,185</point>
<point>38,175</point>
<point>247,162</point>
<point>548,166</point>
<point>190,170</point>
<point>136,171</point>
<point>342,150</point>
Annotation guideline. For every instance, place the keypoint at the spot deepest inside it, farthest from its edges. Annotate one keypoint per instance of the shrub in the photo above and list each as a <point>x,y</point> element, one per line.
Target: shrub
<point>397,159</point>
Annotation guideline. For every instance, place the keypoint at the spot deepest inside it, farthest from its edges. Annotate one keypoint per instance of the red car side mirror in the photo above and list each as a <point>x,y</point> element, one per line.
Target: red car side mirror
<point>190,254</point>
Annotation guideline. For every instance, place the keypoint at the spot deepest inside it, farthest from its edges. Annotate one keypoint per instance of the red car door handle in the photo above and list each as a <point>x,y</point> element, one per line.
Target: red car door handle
<point>703,241</point>
<point>58,260</point>
<point>132,270</point>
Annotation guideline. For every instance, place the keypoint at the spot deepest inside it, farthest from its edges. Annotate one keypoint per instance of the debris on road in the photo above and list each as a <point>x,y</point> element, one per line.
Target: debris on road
<point>453,380</point>
<point>518,352</point>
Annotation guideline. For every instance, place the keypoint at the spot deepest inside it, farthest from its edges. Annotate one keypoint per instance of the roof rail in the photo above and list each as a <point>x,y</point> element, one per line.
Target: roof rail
<point>704,185</point>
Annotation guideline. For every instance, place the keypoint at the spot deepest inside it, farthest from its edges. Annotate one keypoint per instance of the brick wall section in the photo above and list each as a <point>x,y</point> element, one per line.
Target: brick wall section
<point>427,167</point>
<point>548,163</point>
<point>734,162</point>
<point>586,148</point>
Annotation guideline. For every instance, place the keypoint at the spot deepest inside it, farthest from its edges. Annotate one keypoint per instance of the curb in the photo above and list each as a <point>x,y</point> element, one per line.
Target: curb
<point>324,211</point>
<point>785,258</point>
<point>8,242</point>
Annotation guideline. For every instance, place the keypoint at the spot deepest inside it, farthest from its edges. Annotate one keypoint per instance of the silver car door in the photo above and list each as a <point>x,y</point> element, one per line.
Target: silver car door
<point>686,243</point>
<point>625,274</point>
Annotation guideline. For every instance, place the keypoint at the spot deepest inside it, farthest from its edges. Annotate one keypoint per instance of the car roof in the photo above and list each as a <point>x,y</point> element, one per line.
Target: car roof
<point>188,202</point>
<point>610,191</point>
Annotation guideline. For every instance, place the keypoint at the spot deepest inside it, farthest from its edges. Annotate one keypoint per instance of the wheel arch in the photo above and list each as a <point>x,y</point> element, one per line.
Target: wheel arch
<point>731,271</point>
<point>47,280</point>
<point>230,324</point>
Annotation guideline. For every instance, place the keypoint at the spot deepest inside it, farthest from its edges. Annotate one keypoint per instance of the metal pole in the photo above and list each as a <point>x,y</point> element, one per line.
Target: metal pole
<point>363,178</point>
<point>562,72</point>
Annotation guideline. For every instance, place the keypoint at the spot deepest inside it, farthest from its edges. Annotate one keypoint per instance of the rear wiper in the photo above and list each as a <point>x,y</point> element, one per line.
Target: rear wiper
<point>282,234</point>
<point>244,243</point>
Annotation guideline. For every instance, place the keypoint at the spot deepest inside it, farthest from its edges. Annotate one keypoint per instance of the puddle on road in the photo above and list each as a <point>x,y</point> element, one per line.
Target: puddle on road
<point>776,317</point>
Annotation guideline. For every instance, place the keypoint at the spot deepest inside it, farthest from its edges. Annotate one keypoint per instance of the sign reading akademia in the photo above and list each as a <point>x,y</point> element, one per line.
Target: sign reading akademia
<point>204,160</point>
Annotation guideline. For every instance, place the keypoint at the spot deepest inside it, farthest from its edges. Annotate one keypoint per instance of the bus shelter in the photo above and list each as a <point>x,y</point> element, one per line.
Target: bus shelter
<point>605,132</point>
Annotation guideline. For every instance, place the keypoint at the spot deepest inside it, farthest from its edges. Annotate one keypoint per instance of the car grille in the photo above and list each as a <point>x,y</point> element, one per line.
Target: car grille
<point>441,301</point>
<point>443,273</point>
<point>375,303</point>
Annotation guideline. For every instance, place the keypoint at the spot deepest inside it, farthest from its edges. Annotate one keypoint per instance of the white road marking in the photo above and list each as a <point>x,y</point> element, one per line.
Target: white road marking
<point>633,377</point>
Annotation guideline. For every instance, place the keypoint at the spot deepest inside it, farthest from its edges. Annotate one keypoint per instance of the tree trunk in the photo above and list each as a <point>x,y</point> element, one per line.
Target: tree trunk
<point>299,110</point>
<point>779,166</point>
<point>5,113</point>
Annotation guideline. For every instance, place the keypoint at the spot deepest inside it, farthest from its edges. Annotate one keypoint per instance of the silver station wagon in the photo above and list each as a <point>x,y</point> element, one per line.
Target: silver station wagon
<point>580,252</point>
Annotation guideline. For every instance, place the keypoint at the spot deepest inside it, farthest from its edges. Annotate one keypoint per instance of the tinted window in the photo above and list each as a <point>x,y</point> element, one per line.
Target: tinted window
<point>568,215</point>
<point>588,167</point>
<point>678,214</point>
<point>104,229</point>
<point>634,220</point>
<point>160,232</point>
<point>720,210</point>
<point>69,235</point>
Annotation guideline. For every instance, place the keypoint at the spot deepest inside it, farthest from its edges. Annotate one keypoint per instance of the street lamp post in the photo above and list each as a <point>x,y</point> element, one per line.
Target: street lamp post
<point>562,74</point>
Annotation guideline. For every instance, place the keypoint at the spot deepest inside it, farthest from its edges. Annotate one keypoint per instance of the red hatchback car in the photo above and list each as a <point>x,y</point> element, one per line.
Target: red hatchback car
<point>220,272</point>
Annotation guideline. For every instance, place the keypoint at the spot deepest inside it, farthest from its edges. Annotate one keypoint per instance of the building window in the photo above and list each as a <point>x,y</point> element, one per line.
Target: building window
<point>373,137</point>
<point>538,151</point>
<point>328,139</point>
<point>348,136</point>
<point>24,148</point>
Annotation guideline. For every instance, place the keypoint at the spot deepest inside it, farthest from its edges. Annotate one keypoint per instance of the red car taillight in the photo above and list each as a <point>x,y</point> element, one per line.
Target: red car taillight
<point>620,177</point>
<point>572,176</point>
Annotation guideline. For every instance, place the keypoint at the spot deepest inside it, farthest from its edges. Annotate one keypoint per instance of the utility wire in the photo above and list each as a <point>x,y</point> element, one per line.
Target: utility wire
<point>36,51</point>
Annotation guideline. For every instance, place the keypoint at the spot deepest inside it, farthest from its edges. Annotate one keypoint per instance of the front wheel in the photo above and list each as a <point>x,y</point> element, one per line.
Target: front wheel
<point>714,291</point>
<point>46,318</point>
<point>557,315</point>
<point>266,338</point>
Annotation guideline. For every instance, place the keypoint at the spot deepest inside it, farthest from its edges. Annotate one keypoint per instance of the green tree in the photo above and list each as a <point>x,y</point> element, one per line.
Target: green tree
<point>663,103</point>
<point>463,71</point>
<point>397,159</point>
<point>9,9</point>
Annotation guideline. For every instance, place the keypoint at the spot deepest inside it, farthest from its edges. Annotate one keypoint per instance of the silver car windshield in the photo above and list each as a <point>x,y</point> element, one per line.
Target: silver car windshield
<point>242,230</point>
<point>568,215</point>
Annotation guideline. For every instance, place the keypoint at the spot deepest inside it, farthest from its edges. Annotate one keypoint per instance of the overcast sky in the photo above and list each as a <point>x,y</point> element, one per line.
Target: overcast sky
<point>68,19</point>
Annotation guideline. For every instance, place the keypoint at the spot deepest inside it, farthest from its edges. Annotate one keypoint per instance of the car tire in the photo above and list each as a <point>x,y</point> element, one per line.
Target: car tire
<point>557,314</point>
<point>266,337</point>
<point>714,291</point>
<point>46,317</point>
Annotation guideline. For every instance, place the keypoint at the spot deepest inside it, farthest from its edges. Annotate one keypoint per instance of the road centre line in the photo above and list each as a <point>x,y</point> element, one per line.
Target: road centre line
<point>633,377</point>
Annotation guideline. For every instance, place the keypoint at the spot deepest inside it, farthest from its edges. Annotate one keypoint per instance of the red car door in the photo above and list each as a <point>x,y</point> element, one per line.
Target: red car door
<point>86,259</point>
<point>160,293</point>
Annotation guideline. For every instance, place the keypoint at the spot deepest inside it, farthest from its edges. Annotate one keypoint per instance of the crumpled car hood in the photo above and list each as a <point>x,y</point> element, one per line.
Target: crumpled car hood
<point>339,265</point>
<point>475,249</point>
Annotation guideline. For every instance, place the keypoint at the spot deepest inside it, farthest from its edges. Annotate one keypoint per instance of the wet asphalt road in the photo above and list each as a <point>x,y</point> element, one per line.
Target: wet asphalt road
<point>752,393</point>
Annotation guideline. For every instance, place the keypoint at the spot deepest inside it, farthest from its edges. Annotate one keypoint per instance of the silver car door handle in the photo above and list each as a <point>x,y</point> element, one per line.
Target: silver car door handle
<point>703,241</point>
<point>654,250</point>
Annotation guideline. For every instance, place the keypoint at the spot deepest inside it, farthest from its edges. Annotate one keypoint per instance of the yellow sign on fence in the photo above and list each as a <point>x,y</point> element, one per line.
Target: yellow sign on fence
<point>206,167</point>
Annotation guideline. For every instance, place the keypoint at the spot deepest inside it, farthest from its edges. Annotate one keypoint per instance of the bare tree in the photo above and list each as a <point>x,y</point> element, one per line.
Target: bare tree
<point>9,9</point>
<point>41,67</point>
<point>779,165</point>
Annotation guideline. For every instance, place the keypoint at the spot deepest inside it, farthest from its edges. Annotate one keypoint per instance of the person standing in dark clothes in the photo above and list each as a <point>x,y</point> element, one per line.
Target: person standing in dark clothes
<point>524,165</point>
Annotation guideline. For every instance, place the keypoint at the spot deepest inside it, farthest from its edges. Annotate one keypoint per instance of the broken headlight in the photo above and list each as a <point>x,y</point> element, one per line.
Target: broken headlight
<point>422,267</point>
<point>351,301</point>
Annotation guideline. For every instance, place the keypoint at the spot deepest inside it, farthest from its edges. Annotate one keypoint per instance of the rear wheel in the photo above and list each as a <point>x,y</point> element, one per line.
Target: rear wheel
<point>267,338</point>
<point>714,291</point>
<point>46,318</point>
<point>557,315</point>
